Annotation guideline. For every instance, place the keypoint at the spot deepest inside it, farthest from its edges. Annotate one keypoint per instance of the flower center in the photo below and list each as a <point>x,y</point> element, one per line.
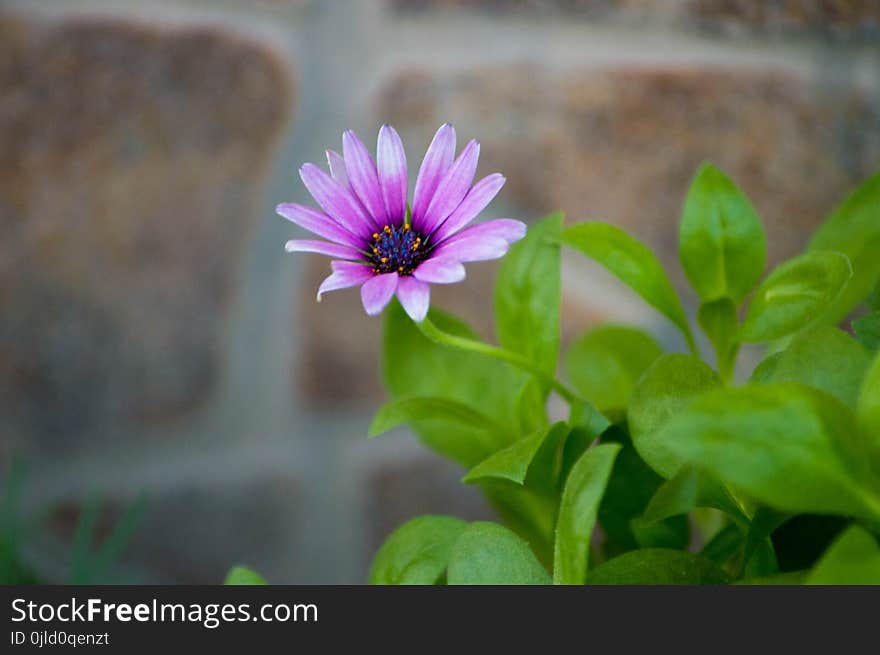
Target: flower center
<point>397,249</point>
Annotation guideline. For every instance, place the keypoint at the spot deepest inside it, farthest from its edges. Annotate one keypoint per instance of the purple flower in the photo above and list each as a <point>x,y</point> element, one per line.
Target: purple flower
<point>376,243</point>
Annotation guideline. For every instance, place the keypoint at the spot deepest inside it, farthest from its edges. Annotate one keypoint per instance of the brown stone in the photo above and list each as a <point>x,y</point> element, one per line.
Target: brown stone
<point>848,19</point>
<point>131,160</point>
<point>404,488</point>
<point>622,145</point>
<point>615,145</point>
<point>193,534</point>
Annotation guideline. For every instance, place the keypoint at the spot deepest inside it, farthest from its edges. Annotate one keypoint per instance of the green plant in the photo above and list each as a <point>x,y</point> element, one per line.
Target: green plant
<point>775,480</point>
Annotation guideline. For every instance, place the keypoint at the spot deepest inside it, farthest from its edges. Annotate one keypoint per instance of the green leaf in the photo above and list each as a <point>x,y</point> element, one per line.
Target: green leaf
<point>242,576</point>
<point>629,490</point>
<point>417,552</point>
<point>763,372</point>
<point>853,559</point>
<point>657,566</point>
<point>665,389</point>
<point>577,513</point>
<point>795,295</point>
<point>531,407</point>
<point>528,294</point>
<point>788,446</point>
<point>514,462</point>
<point>632,262</point>
<point>825,358</point>
<point>867,329</point>
<point>470,433</point>
<point>604,364</point>
<point>692,487</point>
<point>416,367</point>
<point>869,412</point>
<point>854,229</point>
<point>721,240</point>
<point>718,320</point>
<point>489,554</point>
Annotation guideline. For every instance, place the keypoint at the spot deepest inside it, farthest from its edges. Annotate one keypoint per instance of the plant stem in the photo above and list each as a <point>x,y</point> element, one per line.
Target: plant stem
<point>437,335</point>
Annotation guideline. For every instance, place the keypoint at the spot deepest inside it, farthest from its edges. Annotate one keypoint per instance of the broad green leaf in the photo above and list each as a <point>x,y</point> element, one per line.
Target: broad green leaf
<point>853,559</point>
<point>514,462</point>
<point>630,488</point>
<point>528,294</point>
<point>417,552</point>
<point>658,566</point>
<point>788,446</point>
<point>665,389</point>
<point>470,434</point>
<point>692,487</point>
<point>867,329</point>
<point>577,513</point>
<point>854,229</point>
<point>632,262</point>
<point>243,576</point>
<point>825,358</point>
<point>869,412</point>
<point>604,364</point>
<point>722,245</point>
<point>414,366</point>
<point>795,295</point>
<point>489,554</point>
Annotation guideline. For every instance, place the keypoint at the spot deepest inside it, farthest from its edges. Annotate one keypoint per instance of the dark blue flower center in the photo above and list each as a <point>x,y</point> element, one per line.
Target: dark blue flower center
<point>397,249</point>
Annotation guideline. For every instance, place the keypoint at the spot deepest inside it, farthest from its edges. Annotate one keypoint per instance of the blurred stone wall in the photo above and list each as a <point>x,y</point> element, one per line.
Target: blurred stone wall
<point>155,339</point>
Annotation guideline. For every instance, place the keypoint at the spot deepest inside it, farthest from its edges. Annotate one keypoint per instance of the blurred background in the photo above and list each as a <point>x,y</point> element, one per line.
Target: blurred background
<point>167,382</point>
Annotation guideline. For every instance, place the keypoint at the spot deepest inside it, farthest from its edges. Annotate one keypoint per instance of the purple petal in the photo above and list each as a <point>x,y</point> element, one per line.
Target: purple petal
<point>415,296</point>
<point>440,271</point>
<point>438,159</point>
<point>337,168</point>
<point>452,188</point>
<point>472,249</point>
<point>363,176</point>
<point>378,291</point>
<point>336,200</point>
<point>323,248</point>
<point>319,223</point>
<point>345,275</point>
<point>391,160</point>
<point>474,202</point>
<point>501,228</point>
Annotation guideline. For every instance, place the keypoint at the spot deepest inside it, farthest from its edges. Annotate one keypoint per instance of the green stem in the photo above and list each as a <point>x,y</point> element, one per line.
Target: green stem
<point>437,335</point>
<point>726,359</point>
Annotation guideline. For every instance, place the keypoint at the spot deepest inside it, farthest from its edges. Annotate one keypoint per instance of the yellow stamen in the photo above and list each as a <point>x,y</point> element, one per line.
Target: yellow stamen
<point>386,230</point>
<point>384,260</point>
<point>375,236</point>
